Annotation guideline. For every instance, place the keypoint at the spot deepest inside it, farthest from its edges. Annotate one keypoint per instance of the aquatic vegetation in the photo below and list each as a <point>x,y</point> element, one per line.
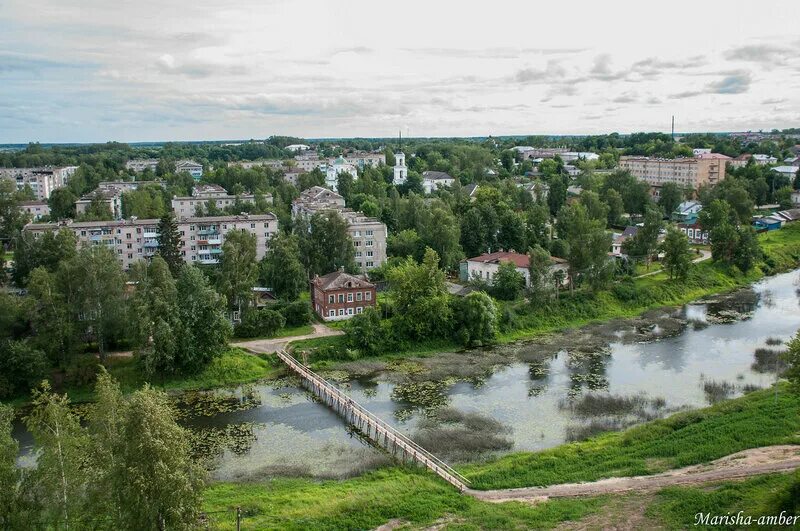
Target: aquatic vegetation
<point>427,395</point>
<point>460,436</point>
<point>768,360</point>
<point>717,391</point>
<point>209,443</point>
<point>211,403</point>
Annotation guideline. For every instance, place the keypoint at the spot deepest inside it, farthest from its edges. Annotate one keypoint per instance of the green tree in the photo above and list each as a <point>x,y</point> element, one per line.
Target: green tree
<point>281,268</point>
<point>154,314</point>
<point>325,244</point>
<point>588,245</point>
<point>169,243</point>
<point>616,208</point>
<point>540,272</point>
<point>784,198</point>
<point>60,473</point>
<point>48,250</point>
<point>21,367</point>
<point>419,298</point>
<point>98,209</point>
<point>12,218</point>
<point>406,243</point>
<point>670,197</point>
<point>441,233</point>
<point>157,479</point>
<point>476,319</point>
<point>596,208</point>
<point>748,250</point>
<point>557,194</point>
<point>204,327</point>
<point>512,231</point>
<point>62,204</point>
<point>508,283</point>
<point>94,282</point>
<point>344,186</point>
<point>367,333</point>
<point>677,254</point>
<point>239,270</point>
<point>472,233</point>
<point>645,242</point>
<point>12,502</point>
<point>792,359</point>
<point>54,329</point>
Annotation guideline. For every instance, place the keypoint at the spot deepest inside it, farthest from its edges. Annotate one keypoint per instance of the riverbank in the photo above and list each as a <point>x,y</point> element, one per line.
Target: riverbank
<point>520,320</point>
<point>417,498</point>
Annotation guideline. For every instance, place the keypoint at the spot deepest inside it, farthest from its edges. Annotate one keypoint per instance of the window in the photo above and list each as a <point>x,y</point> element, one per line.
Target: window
<point>357,234</point>
<point>128,236</point>
<point>369,243</point>
<point>252,225</point>
<point>130,256</point>
<point>341,311</point>
<point>359,309</point>
<point>330,299</point>
<point>349,297</point>
<point>193,248</point>
<point>358,254</point>
<point>331,313</point>
<point>369,254</point>
<point>349,311</point>
<point>358,296</point>
<point>370,264</point>
<point>356,244</point>
<point>341,297</point>
<point>369,233</point>
<point>129,246</point>
<point>367,295</point>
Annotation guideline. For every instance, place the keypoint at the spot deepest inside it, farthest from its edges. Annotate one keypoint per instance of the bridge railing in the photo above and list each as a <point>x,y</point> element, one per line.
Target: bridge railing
<point>418,452</point>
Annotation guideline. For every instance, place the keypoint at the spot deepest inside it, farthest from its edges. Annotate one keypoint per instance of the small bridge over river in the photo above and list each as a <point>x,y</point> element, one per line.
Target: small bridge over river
<point>380,433</point>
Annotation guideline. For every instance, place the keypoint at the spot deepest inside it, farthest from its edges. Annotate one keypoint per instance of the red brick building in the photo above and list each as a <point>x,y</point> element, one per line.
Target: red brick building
<point>338,296</point>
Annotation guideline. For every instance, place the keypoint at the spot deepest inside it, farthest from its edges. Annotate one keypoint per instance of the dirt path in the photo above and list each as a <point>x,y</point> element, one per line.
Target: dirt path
<point>273,345</point>
<point>752,462</point>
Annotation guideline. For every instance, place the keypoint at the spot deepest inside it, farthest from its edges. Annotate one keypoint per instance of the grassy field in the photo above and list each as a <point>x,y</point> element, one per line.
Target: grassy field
<point>407,495</point>
<point>687,438</point>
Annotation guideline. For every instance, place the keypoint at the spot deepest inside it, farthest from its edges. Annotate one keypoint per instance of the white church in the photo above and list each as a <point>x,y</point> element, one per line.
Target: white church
<point>332,173</point>
<point>400,170</point>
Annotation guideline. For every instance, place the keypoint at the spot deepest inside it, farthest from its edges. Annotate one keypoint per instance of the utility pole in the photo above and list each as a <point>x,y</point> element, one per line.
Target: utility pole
<point>673,128</point>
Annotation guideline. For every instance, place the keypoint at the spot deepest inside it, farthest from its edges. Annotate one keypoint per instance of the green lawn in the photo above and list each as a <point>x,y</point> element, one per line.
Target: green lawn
<point>408,495</point>
<point>683,439</point>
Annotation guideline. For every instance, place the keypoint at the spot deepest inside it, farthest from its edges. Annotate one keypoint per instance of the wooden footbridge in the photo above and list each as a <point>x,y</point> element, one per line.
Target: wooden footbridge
<point>380,433</point>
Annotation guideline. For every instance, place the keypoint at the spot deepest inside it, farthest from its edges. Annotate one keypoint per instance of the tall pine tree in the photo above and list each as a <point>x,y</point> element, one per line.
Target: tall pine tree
<point>169,243</point>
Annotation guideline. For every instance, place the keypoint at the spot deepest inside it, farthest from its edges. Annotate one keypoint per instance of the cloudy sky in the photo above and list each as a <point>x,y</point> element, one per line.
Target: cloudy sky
<point>97,70</point>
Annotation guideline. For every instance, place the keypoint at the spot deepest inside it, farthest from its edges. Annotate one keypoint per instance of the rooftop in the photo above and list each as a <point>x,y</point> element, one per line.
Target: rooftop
<point>340,280</point>
<point>519,260</point>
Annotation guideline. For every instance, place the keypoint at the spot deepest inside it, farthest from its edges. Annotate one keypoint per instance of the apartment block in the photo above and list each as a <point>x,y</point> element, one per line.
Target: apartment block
<point>139,165</point>
<point>111,197</point>
<point>35,209</point>
<point>205,193</point>
<point>41,180</point>
<point>686,172</point>
<point>368,234</point>
<point>191,167</point>
<point>137,239</point>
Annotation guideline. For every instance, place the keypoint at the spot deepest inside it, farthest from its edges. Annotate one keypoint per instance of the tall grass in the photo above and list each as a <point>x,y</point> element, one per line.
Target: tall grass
<point>686,438</point>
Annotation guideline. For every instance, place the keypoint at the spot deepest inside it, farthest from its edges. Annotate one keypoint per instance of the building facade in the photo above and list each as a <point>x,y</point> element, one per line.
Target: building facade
<point>111,197</point>
<point>191,167</point>
<point>338,296</point>
<point>35,209</point>
<point>42,181</point>
<point>336,168</point>
<point>203,194</point>
<point>485,266</point>
<point>400,170</point>
<point>685,172</point>
<point>140,165</point>
<point>433,180</point>
<point>137,239</point>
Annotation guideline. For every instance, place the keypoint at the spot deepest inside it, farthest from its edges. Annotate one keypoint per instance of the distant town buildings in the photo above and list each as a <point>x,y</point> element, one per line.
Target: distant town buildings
<point>336,168</point>
<point>191,167</point>
<point>136,239</point>
<point>217,196</point>
<point>274,164</point>
<point>760,159</point>
<point>110,197</point>
<point>433,180</point>
<point>790,172</point>
<point>297,147</point>
<point>338,296</point>
<point>687,212</point>
<point>369,235</point>
<point>691,172</point>
<point>42,181</point>
<point>140,165</point>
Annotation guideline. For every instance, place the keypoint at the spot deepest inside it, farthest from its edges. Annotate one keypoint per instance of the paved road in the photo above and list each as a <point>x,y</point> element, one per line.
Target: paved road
<point>704,255</point>
<point>274,345</point>
<point>765,460</point>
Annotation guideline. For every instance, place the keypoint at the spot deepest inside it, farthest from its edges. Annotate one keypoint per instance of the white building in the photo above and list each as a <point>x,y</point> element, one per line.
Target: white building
<point>763,160</point>
<point>433,180</point>
<point>186,207</point>
<point>294,148</point>
<point>485,266</point>
<point>333,170</point>
<point>134,239</point>
<point>36,209</point>
<point>42,181</point>
<point>400,170</point>
<point>700,151</point>
<point>191,167</point>
<point>790,172</point>
<point>572,156</point>
<point>139,165</point>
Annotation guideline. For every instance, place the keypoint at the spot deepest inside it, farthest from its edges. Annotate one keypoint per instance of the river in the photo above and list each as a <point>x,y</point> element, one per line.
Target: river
<point>525,396</point>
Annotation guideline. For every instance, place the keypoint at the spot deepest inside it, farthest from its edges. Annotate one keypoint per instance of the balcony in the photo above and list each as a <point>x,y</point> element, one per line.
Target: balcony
<point>215,250</point>
<point>151,244</point>
<point>214,241</point>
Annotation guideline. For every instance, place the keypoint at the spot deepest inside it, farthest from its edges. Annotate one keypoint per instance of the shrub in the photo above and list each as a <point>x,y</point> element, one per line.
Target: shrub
<point>296,313</point>
<point>21,367</point>
<point>260,323</point>
<point>82,371</point>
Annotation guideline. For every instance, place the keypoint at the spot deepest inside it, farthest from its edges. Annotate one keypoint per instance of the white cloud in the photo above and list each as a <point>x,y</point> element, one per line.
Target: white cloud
<point>154,70</point>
